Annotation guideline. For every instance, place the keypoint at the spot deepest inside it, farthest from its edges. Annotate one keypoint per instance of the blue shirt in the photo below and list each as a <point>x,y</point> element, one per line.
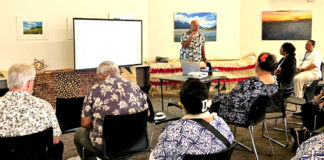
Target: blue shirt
<point>186,136</point>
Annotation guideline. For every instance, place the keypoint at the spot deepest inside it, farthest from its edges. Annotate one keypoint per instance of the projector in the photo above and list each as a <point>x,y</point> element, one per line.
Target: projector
<point>198,75</point>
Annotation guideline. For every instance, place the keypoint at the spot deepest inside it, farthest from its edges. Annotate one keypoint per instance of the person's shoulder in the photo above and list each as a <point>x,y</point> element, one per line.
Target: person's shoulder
<point>40,101</point>
<point>317,52</point>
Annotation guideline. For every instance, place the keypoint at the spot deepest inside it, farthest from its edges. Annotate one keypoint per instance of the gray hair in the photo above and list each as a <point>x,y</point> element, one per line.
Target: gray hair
<point>20,74</point>
<point>106,67</point>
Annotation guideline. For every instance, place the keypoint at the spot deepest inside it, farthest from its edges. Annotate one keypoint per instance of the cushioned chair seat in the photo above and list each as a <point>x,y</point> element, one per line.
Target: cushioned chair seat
<point>295,100</point>
<point>273,115</point>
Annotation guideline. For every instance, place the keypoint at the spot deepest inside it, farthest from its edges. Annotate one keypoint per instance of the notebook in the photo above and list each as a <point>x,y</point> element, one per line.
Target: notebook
<point>188,66</point>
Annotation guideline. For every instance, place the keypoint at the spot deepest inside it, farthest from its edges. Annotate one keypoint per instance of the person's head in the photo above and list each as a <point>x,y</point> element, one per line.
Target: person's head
<point>192,94</point>
<point>287,48</point>
<point>194,26</point>
<point>21,77</point>
<point>266,62</point>
<point>310,45</point>
<point>106,68</point>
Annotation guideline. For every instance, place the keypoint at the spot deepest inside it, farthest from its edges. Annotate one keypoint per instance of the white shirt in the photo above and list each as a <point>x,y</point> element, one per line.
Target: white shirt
<point>311,58</point>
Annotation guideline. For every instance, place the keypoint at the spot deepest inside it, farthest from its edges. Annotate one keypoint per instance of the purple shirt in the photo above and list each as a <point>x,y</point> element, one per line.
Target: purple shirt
<point>113,96</point>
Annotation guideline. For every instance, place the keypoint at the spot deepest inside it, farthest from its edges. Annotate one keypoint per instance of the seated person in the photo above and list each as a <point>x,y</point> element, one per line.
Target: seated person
<point>311,148</point>
<point>113,95</point>
<point>28,114</point>
<point>182,132</point>
<point>286,68</point>
<point>309,64</point>
<point>236,105</point>
<point>310,110</point>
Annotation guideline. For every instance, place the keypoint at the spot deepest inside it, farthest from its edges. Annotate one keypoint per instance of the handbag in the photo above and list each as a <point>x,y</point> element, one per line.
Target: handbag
<point>214,131</point>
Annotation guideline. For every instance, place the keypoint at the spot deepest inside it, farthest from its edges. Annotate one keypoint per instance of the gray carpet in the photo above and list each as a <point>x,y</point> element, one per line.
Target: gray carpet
<point>242,135</point>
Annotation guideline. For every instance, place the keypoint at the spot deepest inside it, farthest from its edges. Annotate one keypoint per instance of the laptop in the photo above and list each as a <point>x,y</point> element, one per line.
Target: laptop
<point>188,66</point>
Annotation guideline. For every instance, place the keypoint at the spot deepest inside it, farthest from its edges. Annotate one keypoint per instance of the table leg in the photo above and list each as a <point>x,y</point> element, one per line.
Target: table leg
<point>218,84</point>
<point>161,81</point>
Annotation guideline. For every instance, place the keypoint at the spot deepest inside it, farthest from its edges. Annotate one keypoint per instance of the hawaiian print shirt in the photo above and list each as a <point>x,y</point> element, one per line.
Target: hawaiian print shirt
<point>312,149</point>
<point>186,136</point>
<point>23,114</point>
<point>193,52</point>
<point>113,96</point>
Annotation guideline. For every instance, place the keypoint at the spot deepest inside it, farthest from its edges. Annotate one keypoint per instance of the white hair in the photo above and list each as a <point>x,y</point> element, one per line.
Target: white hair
<point>19,75</point>
<point>106,67</point>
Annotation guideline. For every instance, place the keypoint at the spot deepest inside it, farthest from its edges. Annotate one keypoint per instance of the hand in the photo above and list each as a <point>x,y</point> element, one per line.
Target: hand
<point>277,72</point>
<point>299,70</point>
<point>206,61</point>
<point>193,33</point>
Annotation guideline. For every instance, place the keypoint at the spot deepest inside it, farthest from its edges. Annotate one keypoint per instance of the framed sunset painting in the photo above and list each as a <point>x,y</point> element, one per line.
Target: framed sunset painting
<point>286,25</point>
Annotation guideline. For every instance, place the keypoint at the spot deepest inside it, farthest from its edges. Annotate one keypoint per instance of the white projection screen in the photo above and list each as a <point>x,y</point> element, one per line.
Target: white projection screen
<point>99,40</point>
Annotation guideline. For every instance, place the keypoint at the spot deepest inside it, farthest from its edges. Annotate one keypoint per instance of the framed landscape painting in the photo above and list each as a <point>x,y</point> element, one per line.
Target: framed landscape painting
<point>31,27</point>
<point>286,25</point>
<point>207,24</point>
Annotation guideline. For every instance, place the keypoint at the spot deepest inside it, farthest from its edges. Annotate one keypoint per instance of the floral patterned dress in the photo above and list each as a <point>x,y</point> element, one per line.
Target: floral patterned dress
<point>236,105</point>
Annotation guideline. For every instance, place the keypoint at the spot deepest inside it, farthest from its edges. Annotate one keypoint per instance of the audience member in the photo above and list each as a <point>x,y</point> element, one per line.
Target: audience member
<point>311,148</point>
<point>309,64</point>
<point>236,105</point>
<point>186,136</point>
<point>23,114</point>
<point>113,95</point>
<point>286,68</point>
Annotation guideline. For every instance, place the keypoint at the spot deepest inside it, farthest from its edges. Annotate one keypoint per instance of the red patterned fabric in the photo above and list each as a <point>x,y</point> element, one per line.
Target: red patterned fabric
<point>177,70</point>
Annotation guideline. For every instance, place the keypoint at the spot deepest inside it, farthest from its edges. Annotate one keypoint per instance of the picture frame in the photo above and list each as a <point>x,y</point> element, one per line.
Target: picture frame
<point>32,27</point>
<point>207,24</point>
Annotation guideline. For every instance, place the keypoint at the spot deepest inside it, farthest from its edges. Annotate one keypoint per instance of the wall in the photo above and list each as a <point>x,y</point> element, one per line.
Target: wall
<point>161,27</point>
<point>251,25</point>
<point>57,50</point>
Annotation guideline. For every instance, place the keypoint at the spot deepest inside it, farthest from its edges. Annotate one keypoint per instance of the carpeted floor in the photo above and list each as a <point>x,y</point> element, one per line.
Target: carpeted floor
<point>242,135</point>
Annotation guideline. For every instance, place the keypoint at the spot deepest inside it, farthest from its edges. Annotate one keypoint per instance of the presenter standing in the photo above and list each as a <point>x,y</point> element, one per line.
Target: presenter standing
<point>193,44</point>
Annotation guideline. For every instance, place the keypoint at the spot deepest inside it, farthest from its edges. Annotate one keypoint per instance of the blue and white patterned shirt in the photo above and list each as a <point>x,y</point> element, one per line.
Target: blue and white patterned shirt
<point>312,149</point>
<point>186,136</point>
<point>113,96</point>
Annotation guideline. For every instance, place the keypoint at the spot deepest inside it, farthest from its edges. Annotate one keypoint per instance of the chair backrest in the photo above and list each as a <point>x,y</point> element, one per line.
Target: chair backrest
<point>275,103</point>
<point>151,109</point>
<point>222,155</point>
<point>258,111</point>
<point>37,146</point>
<point>310,91</point>
<point>125,135</point>
<point>68,112</point>
<point>215,106</point>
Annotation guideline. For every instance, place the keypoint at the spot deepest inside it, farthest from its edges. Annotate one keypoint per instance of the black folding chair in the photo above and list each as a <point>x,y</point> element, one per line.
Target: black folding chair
<point>37,146</point>
<point>68,113</point>
<point>275,109</point>
<point>256,116</point>
<point>222,155</point>
<point>308,96</point>
<point>125,135</point>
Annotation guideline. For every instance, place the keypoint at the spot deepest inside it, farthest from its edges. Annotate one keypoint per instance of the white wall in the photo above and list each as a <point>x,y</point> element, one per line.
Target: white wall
<point>251,25</point>
<point>161,27</point>
<point>57,50</point>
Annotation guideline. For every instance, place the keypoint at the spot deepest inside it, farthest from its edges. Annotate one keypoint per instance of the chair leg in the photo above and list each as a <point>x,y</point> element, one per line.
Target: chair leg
<point>275,141</point>
<point>252,138</point>
<point>241,144</point>
<point>315,119</point>
<point>265,126</point>
<point>82,152</point>
<point>153,128</point>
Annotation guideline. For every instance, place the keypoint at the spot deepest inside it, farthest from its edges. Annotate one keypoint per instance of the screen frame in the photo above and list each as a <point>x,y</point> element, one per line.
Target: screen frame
<point>100,19</point>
